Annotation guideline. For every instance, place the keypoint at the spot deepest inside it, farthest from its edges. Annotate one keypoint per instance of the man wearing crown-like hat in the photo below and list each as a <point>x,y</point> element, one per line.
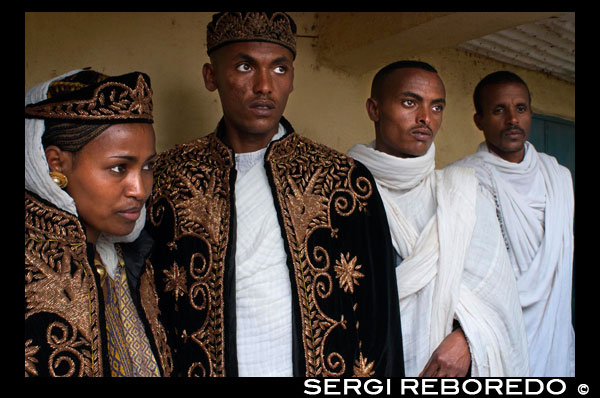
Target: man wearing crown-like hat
<point>272,252</point>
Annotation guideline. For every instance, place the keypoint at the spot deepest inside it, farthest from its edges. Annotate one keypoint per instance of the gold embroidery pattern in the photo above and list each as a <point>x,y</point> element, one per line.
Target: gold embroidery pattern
<point>233,26</point>
<point>197,176</point>
<point>59,281</point>
<point>312,181</point>
<point>112,100</point>
<point>150,306</point>
<point>347,272</point>
<point>363,368</point>
<point>311,185</point>
<point>30,360</point>
<point>176,281</point>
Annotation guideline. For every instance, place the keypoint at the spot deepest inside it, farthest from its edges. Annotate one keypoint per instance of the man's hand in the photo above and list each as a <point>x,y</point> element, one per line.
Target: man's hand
<point>451,358</point>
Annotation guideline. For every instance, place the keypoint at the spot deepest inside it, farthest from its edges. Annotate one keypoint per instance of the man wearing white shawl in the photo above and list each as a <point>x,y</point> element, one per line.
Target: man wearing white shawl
<point>458,299</point>
<point>535,208</point>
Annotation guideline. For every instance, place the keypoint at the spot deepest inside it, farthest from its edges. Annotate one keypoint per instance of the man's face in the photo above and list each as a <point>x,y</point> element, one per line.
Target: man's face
<point>407,112</point>
<point>254,80</point>
<point>505,119</point>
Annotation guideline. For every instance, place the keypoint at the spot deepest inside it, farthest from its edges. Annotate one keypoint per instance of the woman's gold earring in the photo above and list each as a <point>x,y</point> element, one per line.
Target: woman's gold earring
<point>59,179</point>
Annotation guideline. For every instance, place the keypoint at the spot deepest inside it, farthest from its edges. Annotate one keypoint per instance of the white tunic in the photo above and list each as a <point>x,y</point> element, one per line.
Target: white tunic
<point>263,287</point>
<point>535,208</point>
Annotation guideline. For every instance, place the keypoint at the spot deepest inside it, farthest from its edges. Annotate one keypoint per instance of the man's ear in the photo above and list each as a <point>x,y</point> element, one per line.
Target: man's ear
<point>477,120</point>
<point>58,160</point>
<point>208,73</point>
<point>373,109</point>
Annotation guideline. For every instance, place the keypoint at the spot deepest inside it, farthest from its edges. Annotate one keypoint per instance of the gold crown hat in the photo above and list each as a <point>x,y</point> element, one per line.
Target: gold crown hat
<point>231,27</point>
<point>91,97</point>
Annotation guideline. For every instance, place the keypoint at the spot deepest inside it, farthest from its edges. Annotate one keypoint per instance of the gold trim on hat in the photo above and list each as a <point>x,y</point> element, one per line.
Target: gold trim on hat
<point>110,101</point>
<point>254,26</point>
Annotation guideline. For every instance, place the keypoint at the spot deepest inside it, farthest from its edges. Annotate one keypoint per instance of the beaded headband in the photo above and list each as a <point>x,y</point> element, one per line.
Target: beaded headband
<point>230,27</point>
<point>90,97</point>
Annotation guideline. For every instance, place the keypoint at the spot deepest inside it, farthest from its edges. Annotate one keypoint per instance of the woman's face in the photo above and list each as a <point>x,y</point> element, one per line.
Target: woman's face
<point>110,178</point>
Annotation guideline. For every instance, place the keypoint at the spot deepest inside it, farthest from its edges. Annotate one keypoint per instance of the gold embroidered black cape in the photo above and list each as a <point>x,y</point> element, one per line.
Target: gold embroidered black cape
<point>340,258</point>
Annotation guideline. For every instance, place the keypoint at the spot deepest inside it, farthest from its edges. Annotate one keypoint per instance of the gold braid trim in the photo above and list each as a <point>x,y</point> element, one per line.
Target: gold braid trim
<point>110,101</point>
<point>194,179</point>
<point>59,281</point>
<point>311,181</point>
<point>149,301</point>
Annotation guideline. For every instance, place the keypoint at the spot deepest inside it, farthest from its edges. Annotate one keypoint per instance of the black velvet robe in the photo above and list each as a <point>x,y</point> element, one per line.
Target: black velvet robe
<point>65,327</point>
<point>341,263</point>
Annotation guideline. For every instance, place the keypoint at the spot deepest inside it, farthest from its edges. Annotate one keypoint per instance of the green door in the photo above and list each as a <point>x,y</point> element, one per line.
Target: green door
<point>556,137</point>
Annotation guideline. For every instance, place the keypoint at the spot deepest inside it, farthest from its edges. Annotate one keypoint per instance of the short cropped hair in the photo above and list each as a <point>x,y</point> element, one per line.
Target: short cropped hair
<point>500,77</point>
<point>387,70</point>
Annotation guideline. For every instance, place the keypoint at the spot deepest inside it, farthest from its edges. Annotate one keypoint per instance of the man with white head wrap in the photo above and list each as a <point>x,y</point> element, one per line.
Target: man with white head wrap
<point>535,207</point>
<point>458,300</point>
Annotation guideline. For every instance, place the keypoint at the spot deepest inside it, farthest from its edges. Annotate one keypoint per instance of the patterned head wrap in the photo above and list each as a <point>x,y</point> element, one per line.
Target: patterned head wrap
<point>231,27</point>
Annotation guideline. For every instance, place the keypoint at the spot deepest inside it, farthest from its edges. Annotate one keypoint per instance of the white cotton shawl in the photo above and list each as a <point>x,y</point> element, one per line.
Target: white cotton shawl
<point>454,263</point>
<point>263,286</point>
<point>540,247</point>
<point>38,181</point>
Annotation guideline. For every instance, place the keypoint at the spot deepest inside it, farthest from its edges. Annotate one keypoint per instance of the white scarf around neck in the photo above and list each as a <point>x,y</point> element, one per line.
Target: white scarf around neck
<point>411,171</point>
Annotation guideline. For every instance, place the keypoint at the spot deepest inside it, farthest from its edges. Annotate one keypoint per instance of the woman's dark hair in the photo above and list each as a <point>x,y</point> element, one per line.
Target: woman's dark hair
<point>70,137</point>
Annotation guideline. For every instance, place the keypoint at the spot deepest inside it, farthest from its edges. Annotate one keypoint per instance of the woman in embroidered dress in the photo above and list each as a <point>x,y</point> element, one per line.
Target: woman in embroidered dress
<point>89,151</point>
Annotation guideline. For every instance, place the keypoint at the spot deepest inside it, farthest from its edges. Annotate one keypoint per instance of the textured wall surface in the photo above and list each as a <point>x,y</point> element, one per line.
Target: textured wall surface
<point>328,101</point>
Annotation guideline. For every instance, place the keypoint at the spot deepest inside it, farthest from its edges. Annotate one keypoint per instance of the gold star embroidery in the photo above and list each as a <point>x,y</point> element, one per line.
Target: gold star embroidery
<point>347,272</point>
<point>176,281</point>
<point>362,368</point>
